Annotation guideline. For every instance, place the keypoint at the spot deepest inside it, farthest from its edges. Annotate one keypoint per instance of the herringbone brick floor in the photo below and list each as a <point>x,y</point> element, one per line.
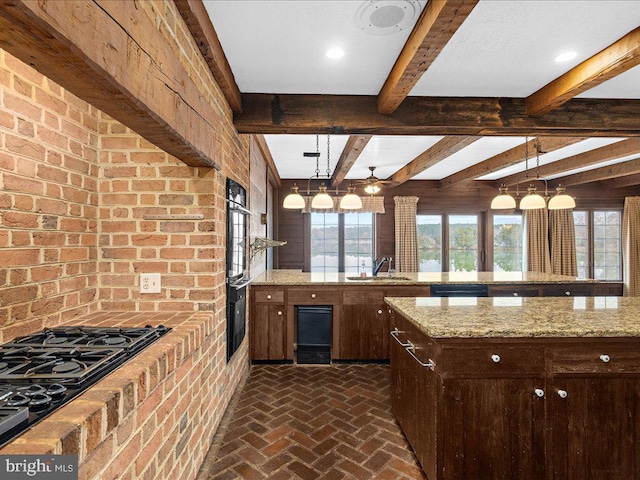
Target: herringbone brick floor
<point>314,422</point>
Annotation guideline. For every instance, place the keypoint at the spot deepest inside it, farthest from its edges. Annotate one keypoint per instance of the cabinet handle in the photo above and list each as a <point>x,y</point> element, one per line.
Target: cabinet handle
<point>313,295</point>
<point>389,311</point>
<point>394,333</point>
<point>562,393</point>
<point>539,392</point>
<point>280,312</point>
<point>495,358</point>
<point>605,358</point>
<point>411,349</point>
<point>268,297</point>
<point>379,312</point>
<point>567,293</point>
<point>515,294</point>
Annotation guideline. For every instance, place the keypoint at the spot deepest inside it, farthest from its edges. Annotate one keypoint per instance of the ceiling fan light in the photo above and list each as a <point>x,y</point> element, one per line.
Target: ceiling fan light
<point>372,189</point>
<point>532,200</point>
<point>561,201</point>
<point>351,201</point>
<point>294,200</point>
<point>322,200</point>
<point>503,201</point>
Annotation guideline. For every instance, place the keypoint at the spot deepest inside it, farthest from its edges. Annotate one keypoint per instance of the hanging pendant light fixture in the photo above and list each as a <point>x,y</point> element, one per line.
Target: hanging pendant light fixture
<point>351,201</point>
<point>561,201</point>
<point>532,200</point>
<point>294,200</point>
<point>322,199</point>
<point>503,200</point>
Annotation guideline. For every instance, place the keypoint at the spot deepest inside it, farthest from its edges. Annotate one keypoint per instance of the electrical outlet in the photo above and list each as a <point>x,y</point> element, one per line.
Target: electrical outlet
<point>149,283</point>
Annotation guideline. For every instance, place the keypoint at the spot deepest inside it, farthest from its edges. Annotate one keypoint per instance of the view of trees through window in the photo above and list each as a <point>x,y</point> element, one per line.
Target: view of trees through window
<point>601,257</point>
<point>463,243</point>
<point>507,243</point>
<point>430,242</point>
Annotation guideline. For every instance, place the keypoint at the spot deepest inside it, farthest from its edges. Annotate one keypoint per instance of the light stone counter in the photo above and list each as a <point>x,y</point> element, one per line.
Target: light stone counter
<point>522,317</point>
<point>297,277</point>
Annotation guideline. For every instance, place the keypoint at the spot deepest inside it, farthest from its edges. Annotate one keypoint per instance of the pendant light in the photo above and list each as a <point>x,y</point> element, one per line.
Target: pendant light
<point>561,201</point>
<point>294,200</point>
<point>532,200</point>
<point>322,199</point>
<point>351,201</point>
<point>503,201</point>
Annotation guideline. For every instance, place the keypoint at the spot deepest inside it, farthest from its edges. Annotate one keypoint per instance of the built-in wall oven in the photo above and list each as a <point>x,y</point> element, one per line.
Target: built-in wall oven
<point>237,281</point>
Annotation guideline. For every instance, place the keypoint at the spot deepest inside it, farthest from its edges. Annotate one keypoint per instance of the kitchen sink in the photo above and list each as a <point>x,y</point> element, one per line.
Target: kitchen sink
<point>388,279</point>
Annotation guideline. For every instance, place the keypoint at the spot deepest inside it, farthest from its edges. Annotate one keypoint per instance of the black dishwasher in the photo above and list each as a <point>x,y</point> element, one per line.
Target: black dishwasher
<point>314,333</point>
<point>460,290</point>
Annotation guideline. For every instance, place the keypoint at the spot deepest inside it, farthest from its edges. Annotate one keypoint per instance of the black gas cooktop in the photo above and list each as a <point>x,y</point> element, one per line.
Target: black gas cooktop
<point>43,371</point>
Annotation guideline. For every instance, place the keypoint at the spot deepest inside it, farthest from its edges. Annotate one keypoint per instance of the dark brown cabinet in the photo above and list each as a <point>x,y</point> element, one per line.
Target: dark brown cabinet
<point>555,409</point>
<point>268,330</point>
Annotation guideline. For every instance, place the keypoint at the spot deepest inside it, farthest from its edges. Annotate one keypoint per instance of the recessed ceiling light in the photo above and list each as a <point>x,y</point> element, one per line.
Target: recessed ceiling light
<point>335,53</point>
<point>566,56</point>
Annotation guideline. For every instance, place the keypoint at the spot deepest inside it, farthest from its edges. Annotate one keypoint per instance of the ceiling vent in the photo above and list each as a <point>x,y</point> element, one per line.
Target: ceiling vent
<point>387,17</point>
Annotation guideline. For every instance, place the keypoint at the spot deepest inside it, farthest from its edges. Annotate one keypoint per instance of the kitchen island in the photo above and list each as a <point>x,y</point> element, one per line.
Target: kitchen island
<point>519,388</point>
<point>360,318</point>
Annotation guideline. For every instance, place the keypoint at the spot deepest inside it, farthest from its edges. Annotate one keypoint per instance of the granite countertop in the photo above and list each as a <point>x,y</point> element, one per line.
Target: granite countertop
<point>297,277</point>
<point>522,317</point>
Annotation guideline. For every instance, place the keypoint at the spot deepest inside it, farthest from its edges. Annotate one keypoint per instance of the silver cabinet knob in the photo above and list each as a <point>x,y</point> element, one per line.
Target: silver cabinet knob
<point>313,295</point>
<point>515,294</point>
<point>495,358</point>
<point>562,393</point>
<point>379,312</point>
<point>268,297</point>
<point>539,392</point>
<point>280,312</point>
<point>605,358</point>
<point>568,294</point>
<point>389,310</point>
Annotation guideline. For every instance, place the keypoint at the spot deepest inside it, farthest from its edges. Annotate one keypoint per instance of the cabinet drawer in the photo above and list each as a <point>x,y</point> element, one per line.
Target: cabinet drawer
<point>313,296</point>
<point>269,296</point>
<point>567,290</point>
<point>602,360</point>
<point>514,291</point>
<point>360,297</point>
<point>490,361</point>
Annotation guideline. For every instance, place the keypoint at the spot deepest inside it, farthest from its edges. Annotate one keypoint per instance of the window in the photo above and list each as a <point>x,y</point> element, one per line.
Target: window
<point>342,242</point>
<point>458,233</point>
<point>430,242</point>
<point>507,243</point>
<point>599,244</point>
<point>463,243</point>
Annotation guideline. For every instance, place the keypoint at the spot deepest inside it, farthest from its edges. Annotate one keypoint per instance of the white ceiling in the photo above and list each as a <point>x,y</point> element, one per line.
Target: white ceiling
<point>505,48</point>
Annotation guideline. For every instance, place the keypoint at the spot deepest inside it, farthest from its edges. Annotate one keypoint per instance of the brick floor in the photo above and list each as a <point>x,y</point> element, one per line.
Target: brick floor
<point>313,422</point>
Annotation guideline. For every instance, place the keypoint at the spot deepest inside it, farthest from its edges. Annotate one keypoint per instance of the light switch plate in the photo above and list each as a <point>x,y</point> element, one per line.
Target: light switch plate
<point>149,283</point>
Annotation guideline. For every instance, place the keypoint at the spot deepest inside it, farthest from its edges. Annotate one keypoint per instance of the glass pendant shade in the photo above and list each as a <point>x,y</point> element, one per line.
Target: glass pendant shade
<point>351,201</point>
<point>322,199</point>
<point>532,200</point>
<point>372,189</point>
<point>503,200</point>
<point>561,201</point>
<point>294,200</point>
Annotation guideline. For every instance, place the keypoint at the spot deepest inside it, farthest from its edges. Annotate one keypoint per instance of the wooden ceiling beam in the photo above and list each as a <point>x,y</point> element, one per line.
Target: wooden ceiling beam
<point>195,15</point>
<point>608,63</point>
<point>506,159</point>
<point>475,116</point>
<point>113,56</point>
<point>438,22</point>
<point>352,150</point>
<point>621,182</point>
<point>435,154</point>
<point>631,167</point>
<point>614,151</point>
<point>268,159</point>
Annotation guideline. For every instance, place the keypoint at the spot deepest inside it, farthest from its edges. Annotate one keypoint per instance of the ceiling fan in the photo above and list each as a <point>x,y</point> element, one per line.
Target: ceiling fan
<point>372,183</point>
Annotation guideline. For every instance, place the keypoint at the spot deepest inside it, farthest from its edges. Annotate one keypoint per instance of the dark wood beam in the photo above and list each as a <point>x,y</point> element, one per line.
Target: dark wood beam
<point>608,63</point>
<point>621,182</point>
<point>352,150</point>
<point>506,159</point>
<point>438,22</point>
<point>435,154</point>
<point>631,167</point>
<point>617,150</point>
<point>197,19</point>
<point>268,159</point>
<point>112,55</point>
<point>477,116</point>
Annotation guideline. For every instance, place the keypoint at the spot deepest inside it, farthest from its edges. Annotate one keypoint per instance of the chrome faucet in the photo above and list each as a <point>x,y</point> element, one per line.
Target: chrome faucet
<point>376,268</point>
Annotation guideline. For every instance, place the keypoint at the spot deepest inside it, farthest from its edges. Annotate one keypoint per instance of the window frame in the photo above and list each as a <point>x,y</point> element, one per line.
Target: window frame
<point>591,238</point>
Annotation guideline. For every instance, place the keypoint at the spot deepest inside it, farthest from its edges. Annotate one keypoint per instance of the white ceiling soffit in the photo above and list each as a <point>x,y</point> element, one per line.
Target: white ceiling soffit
<point>388,154</point>
<point>276,46</point>
<point>508,48</point>
<point>477,152</point>
<point>576,148</point>
<point>287,152</point>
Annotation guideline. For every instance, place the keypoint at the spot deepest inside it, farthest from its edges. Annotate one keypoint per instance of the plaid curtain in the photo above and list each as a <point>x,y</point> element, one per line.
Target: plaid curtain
<point>537,227</point>
<point>406,234</point>
<point>562,236</point>
<point>631,246</point>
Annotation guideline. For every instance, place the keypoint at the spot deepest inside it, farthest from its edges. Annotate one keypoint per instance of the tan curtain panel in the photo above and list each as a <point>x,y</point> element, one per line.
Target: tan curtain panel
<point>562,237</point>
<point>631,246</point>
<point>406,234</point>
<point>537,227</point>
<point>369,205</point>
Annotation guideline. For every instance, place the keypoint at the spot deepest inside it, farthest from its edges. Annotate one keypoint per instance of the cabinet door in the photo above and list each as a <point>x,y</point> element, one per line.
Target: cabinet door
<point>364,332</point>
<point>595,429</point>
<point>268,333</point>
<point>403,395</point>
<point>493,429</point>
